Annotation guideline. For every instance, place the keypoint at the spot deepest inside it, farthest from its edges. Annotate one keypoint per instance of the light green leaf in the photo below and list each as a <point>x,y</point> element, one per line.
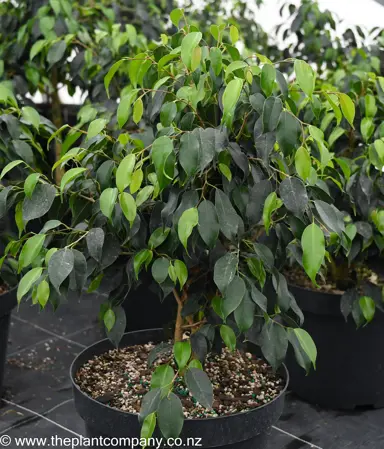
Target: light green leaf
<point>111,73</point>
<point>163,158</point>
<point>305,77</point>
<point>143,195</point>
<point>95,127</point>
<point>30,184</point>
<point>233,34</point>
<point>268,77</point>
<point>31,250</point>
<point>348,108</point>
<point>188,44</point>
<point>230,98</point>
<point>37,47</point>
<point>124,172</point>
<point>368,307</point>
<point>181,272</point>
<point>271,204</point>
<point>307,344</point>
<point>10,166</point>
<point>303,163</point>
<point>138,109</point>
<point>31,116</point>
<point>228,337</point>
<point>188,220</point>
<point>43,292</point>
<point>69,176</point>
<point>158,237</point>
<point>108,199</point>
<point>27,281</point>
<point>128,206</point>
<point>176,15</point>
<point>216,60</point>
<point>147,428</point>
<point>313,244</point>
<point>109,319</point>
<point>182,351</point>
<point>142,257</point>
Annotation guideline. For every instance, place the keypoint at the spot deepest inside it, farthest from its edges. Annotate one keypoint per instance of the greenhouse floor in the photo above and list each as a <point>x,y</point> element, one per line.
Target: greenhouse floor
<point>38,400</point>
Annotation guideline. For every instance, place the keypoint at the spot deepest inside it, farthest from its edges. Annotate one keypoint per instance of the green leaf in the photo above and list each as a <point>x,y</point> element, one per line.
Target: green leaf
<point>367,128</point>
<point>143,257</point>
<point>138,109</point>
<point>95,241</point>
<point>216,58</point>
<point>128,206</point>
<point>136,180</point>
<point>307,344</point>
<point>228,218</point>
<point>313,244</point>
<point>274,343</point>
<point>189,153</point>
<point>10,166</point>
<point>167,114</point>
<point>233,296</point>
<point>30,184</point>
<point>368,307</point>
<point>31,250</point>
<point>163,158</point>
<point>256,267</point>
<point>228,337</point>
<point>147,429</point>
<point>268,77</point>
<point>271,113</point>
<point>305,77</point>
<point>294,195</point>
<point>316,133</point>
<point>272,203</point>
<point>160,269</point>
<point>124,109</point>
<point>244,314</point>
<point>231,96</point>
<point>109,319</point>
<point>56,52</point>
<point>162,377</point>
<point>143,195</point>
<point>288,133</point>
<point>39,203</point>
<point>108,199</point>
<point>181,272</point>
<point>60,266</point>
<point>331,217</point>
<point>176,15</point>
<point>224,271</point>
<point>303,163</point>
<point>200,386</point>
<point>124,172</point>
<point>188,220</point>
<point>209,227</point>
<point>95,127</point>
<point>170,416</point>
<point>43,292</point>
<point>188,44</point>
<point>111,73</point>
<point>150,402</point>
<point>19,218</point>
<point>69,176</point>
<point>233,34</point>
<point>37,47</point>
<point>31,116</point>
<point>182,351</point>
<point>347,107</point>
<point>158,237</point>
<point>27,282</point>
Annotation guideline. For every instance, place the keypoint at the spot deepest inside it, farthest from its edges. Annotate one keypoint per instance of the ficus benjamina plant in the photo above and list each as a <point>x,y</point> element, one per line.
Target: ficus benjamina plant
<point>197,196</point>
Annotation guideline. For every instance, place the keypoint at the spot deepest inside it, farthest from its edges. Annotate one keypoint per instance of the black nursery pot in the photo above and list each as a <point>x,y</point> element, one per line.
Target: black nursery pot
<point>239,431</point>
<point>7,302</point>
<point>350,362</point>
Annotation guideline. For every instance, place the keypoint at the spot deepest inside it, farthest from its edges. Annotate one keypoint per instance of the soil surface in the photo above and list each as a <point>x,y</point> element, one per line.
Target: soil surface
<point>120,378</point>
<point>296,276</point>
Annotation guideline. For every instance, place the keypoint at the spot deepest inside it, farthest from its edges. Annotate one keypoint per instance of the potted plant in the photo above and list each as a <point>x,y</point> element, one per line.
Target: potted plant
<point>339,298</point>
<point>190,206</point>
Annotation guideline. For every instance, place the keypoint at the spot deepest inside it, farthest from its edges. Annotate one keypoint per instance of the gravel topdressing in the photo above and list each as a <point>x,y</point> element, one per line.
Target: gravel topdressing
<point>120,378</point>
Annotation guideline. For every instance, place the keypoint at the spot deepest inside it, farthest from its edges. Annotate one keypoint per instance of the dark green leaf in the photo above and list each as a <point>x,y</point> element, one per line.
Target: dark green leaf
<point>208,223</point>
<point>234,293</point>
<point>274,343</point>
<point>60,266</point>
<point>271,113</point>
<point>294,195</point>
<point>268,77</point>
<point>39,203</point>
<point>170,416</point>
<point>288,132</point>
<point>56,52</point>
<point>228,218</point>
<point>224,271</point>
<point>200,386</point>
<point>160,269</point>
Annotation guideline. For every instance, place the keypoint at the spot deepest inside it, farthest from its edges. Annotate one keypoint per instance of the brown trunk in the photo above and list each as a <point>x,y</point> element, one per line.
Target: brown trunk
<point>57,120</point>
<point>179,319</point>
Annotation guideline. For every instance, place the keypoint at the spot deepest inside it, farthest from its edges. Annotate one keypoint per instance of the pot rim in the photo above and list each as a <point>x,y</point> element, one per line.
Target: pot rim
<point>320,292</point>
<point>283,368</point>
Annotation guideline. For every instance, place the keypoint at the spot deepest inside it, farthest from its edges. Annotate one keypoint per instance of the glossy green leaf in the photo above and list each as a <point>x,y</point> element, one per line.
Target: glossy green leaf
<point>188,220</point>
<point>128,206</point>
<point>182,351</point>
<point>188,44</point>
<point>31,250</point>
<point>27,282</point>
<point>108,199</point>
<point>124,172</point>
<point>95,127</point>
<point>307,344</point>
<point>200,386</point>
<point>228,337</point>
<point>69,176</point>
<point>268,78</point>
<point>305,77</point>
<point>30,184</point>
<point>313,245</point>
<point>230,98</point>
<point>303,163</point>
<point>347,107</point>
<point>368,307</point>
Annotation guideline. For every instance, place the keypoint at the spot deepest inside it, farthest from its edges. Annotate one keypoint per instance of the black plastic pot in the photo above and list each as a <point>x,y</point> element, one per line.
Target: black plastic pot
<point>240,431</point>
<point>7,302</point>
<point>350,362</point>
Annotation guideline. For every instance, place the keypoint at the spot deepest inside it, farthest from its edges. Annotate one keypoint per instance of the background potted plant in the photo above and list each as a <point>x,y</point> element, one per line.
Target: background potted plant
<point>346,289</point>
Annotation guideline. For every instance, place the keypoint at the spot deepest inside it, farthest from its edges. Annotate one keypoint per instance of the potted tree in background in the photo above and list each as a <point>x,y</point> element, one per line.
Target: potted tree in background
<point>347,289</point>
